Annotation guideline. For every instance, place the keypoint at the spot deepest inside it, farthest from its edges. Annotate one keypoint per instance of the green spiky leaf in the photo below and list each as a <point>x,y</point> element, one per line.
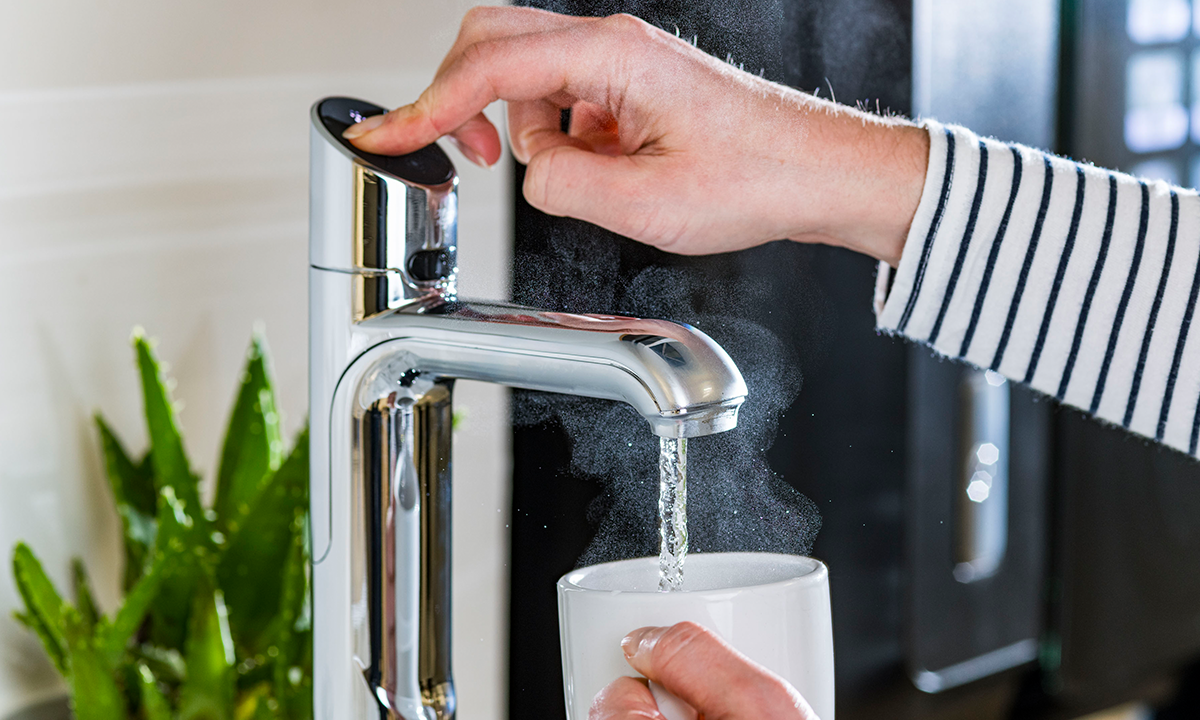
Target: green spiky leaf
<point>168,458</point>
<point>208,690</point>
<point>141,533</point>
<point>166,665</point>
<point>115,637</point>
<point>171,639</point>
<point>95,694</point>
<point>43,604</point>
<point>254,703</point>
<point>253,447</point>
<point>48,642</point>
<point>84,599</point>
<point>153,701</point>
<point>252,569</point>
<point>184,536</point>
<point>263,711</point>
<point>132,483</point>
<point>136,499</point>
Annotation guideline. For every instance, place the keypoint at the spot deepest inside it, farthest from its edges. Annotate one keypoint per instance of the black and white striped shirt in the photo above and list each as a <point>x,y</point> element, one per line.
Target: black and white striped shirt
<point>1078,281</point>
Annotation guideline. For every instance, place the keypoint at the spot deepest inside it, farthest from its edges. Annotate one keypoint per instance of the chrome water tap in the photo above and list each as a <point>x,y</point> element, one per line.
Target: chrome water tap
<point>387,338</point>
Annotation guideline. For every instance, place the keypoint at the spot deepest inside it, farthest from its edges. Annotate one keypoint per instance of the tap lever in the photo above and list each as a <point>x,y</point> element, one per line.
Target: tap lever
<point>428,166</point>
<point>390,221</point>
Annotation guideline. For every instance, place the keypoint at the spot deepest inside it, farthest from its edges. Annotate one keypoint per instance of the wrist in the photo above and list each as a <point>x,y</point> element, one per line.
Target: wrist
<point>889,203</point>
<point>874,177</point>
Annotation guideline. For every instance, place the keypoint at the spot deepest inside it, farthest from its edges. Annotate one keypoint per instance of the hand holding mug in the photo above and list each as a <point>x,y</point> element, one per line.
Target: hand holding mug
<point>749,635</point>
<point>696,666</point>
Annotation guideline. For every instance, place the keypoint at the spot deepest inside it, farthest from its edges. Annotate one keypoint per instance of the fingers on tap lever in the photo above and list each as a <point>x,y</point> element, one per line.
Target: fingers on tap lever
<point>540,62</point>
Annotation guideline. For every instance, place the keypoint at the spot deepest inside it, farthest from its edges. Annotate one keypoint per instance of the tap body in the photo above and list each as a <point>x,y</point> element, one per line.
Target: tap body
<point>388,337</point>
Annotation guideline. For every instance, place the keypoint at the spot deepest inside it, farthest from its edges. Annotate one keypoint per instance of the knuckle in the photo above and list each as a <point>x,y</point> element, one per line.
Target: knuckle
<point>477,53</point>
<point>631,32</point>
<point>655,223</point>
<point>668,238</point>
<point>424,106</point>
<point>625,24</point>
<point>476,15</point>
<point>476,21</point>
<point>773,687</point>
<point>771,693</point>
<point>391,120</point>
<point>675,643</point>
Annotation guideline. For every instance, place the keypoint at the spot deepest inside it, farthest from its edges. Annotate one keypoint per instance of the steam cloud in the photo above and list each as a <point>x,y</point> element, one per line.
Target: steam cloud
<point>735,501</point>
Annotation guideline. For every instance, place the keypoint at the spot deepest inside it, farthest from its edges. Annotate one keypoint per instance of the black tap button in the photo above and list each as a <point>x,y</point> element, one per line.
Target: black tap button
<point>427,166</point>
<point>430,265</point>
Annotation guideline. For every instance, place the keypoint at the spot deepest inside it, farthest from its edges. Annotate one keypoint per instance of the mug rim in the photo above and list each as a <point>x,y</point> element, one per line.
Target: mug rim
<point>817,573</point>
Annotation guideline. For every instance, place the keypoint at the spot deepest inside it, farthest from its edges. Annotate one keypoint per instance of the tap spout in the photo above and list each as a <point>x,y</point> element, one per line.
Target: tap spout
<point>381,483</point>
<point>680,381</point>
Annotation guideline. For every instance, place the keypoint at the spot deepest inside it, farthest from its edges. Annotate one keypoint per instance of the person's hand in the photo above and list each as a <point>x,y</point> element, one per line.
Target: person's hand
<point>666,144</point>
<point>703,671</point>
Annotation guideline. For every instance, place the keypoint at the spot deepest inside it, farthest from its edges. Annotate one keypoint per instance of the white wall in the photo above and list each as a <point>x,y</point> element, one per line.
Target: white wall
<point>153,161</point>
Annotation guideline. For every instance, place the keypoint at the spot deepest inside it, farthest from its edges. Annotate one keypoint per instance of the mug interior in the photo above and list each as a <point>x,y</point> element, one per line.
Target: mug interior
<point>703,572</point>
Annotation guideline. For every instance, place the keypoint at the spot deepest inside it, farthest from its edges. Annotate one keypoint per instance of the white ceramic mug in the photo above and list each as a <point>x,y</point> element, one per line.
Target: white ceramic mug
<point>773,608</point>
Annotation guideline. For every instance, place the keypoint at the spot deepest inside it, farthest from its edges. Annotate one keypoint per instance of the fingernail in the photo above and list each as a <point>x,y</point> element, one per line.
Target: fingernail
<point>641,641</point>
<point>468,151</point>
<point>364,127</point>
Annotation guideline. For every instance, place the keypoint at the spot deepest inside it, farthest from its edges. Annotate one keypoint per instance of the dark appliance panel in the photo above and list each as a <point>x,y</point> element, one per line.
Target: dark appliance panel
<point>979,451</point>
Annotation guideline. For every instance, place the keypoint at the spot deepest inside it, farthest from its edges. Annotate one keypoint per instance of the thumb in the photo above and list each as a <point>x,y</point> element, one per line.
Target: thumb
<point>708,674</point>
<point>605,190</point>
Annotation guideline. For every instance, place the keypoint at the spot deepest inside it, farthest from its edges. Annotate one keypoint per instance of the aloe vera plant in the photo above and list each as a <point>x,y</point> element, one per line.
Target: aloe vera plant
<point>214,623</point>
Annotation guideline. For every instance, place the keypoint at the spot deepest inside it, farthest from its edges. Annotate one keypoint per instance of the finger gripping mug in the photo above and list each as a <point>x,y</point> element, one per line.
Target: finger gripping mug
<point>772,608</point>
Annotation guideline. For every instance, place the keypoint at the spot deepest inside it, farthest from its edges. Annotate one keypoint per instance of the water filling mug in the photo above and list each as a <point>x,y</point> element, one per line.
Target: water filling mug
<point>772,608</point>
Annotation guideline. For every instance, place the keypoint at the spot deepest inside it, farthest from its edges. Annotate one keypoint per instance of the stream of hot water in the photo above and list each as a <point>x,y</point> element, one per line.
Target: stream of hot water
<point>672,512</point>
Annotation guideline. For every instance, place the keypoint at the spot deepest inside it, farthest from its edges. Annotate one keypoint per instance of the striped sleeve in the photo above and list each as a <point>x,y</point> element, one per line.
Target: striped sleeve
<point>1077,281</point>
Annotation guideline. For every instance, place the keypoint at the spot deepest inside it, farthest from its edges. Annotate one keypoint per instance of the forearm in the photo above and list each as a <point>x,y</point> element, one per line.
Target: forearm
<point>1078,281</point>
